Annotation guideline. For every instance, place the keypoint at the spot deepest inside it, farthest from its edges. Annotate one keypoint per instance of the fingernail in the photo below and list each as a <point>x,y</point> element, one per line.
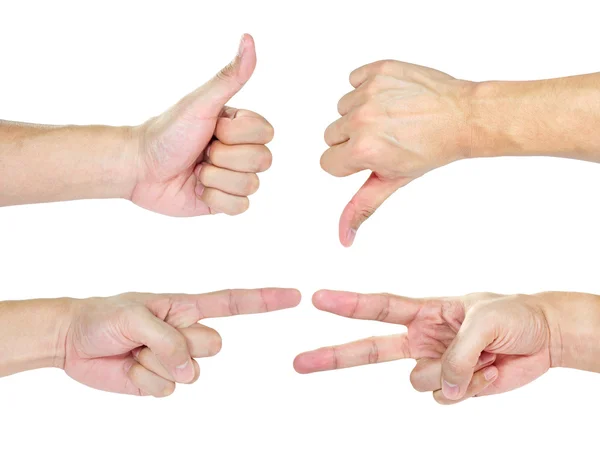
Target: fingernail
<point>490,373</point>
<point>136,352</point>
<point>184,372</point>
<point>486,358</point>
<point>199,189</point>
<point>350,236</point>
<point>450,390</point>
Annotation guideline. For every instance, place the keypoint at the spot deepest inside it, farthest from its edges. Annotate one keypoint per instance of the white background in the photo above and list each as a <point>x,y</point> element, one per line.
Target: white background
<point>503,225</point>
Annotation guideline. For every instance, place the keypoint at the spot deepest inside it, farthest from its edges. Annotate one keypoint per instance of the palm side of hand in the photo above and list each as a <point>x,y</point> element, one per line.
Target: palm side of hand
<point>170,150</point>
<point>519,350</point>
<point>98,349</point>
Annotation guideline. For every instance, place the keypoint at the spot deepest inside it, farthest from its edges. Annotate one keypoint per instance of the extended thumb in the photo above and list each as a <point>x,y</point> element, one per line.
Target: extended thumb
<point>367,200</point>
<point>225,84</point>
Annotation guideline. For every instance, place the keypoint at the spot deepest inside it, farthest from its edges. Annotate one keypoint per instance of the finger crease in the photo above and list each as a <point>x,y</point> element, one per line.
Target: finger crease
<point>374,352</point>
<point>335,358</point>
<point>385,311</point>
<point>234,308</point>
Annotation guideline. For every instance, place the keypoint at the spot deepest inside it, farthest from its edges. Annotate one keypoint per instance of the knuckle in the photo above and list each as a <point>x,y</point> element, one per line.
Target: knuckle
<point>240,207</point>
<point>252,184</point>
<point>416,381</point>
<point>362,115</point>
<point>145,356</point>
<point>208,196</point>
<point>167,390</point>
<point>371,86</point>
<point>364,146</point>
<point>215,152</point>
<point>364,212</point>
<point>385,66</point>
<point>226,73</point>
<point>216,343</point>
<point>263,160</point>
<point>269,132</point>
<point>175,345</point>
<point>204,174</point>
<point>329,134</point>
<point>440,399</point>
<point>133,313</point>
<point>452,364</point>
<point>328,166</point>
<point>135,373</point>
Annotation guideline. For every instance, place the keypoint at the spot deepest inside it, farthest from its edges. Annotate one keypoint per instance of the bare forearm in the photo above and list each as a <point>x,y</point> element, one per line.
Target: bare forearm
<point>58,163</point>
<point>557,117</point>
<point>574,320</point>
<point>32,334</point>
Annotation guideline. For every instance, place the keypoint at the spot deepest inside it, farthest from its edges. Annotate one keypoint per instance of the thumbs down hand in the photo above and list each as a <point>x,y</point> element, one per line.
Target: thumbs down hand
<point>400,121</point>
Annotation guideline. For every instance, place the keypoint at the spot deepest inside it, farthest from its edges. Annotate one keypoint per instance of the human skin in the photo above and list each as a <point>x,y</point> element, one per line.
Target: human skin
<point>475,345</point>
<point>199,157</point>
<point>403,120</point>
<point>134,343</point>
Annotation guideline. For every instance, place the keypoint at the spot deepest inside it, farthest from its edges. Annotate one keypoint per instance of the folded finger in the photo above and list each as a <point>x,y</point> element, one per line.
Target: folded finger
<point>145,357</point>
<point>241,158</point>
<point>169,345</point>
<point>228,181</point>
<point>350,101</point>
<point>220,201</point>
<point>150,383</point>
<point>427,374</point>
<point>337,132</point>
<point>339,161</point>
<point>364,352</point>
<point>237,126</point>
<point>480,381</point>
<point>202,341</point>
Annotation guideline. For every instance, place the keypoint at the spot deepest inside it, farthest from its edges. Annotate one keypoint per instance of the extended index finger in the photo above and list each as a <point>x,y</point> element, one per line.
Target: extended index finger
<point>184,310</point>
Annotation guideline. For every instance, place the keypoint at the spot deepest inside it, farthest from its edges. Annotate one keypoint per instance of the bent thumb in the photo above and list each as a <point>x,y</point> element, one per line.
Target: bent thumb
<point>461,357</point>
<point>365,202</point>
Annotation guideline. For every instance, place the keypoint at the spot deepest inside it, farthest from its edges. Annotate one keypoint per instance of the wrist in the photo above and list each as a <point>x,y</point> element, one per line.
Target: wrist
<point>574,324</point>
<point>33,334</point>
<point>126,160</point>
<point>62,316</point>
<point>494,131</point>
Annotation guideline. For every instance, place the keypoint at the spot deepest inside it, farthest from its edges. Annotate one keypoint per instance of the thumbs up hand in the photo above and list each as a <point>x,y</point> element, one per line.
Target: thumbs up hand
<point>201,157</point>
<point>401,121</point>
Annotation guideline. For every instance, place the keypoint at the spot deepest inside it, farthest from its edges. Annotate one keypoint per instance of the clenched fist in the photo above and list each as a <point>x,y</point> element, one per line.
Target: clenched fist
<point>400,121</point>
